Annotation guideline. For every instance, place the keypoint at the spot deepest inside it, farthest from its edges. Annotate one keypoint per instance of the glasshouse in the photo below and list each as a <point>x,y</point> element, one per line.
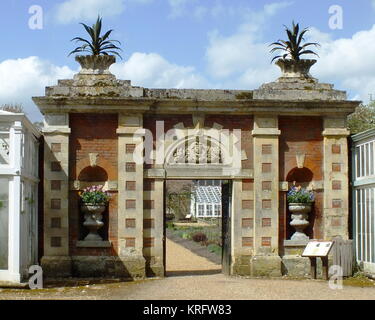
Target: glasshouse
<point>18,196</point>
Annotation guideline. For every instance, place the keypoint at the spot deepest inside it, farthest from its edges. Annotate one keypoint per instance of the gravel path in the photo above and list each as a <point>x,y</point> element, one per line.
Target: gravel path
<point>196,261</point>
<point>195,277</point>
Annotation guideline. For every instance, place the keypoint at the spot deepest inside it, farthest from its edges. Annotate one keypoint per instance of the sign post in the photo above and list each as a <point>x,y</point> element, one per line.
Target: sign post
<point>318,249</point>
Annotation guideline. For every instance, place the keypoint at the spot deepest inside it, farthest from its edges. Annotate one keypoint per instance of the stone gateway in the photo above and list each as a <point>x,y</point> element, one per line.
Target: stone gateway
<point>101,130</point>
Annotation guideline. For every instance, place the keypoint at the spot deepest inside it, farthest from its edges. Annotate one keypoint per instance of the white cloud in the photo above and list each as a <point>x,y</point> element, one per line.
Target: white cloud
<point>23,78</point>
<point>152,70</point>
<point>83,10</point>
<point>348,62</point>
<point>178,7</point>
<point>77,10</point>
<point>243,56</point>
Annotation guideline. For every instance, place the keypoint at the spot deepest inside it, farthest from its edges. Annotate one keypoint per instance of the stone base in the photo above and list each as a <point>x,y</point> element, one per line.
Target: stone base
<point>296,266</point>
<point>300,267</point>
<point>265,266</point>
<point>154,267</point>
<point>109,266</point>
<point>93,266</point>
<point>241,266</point>
<point>56,266</point>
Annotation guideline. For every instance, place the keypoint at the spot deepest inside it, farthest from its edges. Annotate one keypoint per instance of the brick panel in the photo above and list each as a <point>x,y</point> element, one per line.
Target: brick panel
<point>336,203</point>
<point>266,148</point>
<point>247,222</point>
<point>336,185</point>
<point>55,242</point>
<point>55,166</point>
<point>266,241</point>
<point>266,167</point>
<point>336,149</point>
<point>129,148</point>
<point>148,223</point>
<point>247,204</point>
<point>148,204</point>
<point>130,223</point>
<point>130,242</point>
<point>148,242</point>
<point>130,204</point>
<point>266,222</point>
<point>131,185</point>
<point>247,241</point>
<point>148,184</point>
<point>266,185</point>
<point>130,167</point>
<point>56,223</point>
<point>56,147</point>
<point>336,167</point>
<point>55,185</point>
<point>266,204</point>
<point>56,204</point>
<point>247,185</point>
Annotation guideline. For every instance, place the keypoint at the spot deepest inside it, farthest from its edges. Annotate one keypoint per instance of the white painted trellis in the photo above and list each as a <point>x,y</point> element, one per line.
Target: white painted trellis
<point>363,208</point>
<point>18,196</point>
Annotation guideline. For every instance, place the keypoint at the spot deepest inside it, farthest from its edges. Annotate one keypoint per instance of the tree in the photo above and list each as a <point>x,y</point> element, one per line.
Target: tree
<point>98,44</point>
<point>178,201</point>
<point>362,119</point>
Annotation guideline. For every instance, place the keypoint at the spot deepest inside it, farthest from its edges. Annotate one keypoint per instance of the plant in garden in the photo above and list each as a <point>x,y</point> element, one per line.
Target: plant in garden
<point>94,195</point>
<point>293,47</point>
<point>199,237</point>
<point>300,195</point>
<point>98,44</point>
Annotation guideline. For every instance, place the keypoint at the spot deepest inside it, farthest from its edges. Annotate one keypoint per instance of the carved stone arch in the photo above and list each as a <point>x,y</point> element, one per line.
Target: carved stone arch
<point>196,149</point>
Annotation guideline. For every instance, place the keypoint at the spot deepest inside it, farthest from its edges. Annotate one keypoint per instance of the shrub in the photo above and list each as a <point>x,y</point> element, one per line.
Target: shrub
<point>199,237</point>
<point>300,195</point>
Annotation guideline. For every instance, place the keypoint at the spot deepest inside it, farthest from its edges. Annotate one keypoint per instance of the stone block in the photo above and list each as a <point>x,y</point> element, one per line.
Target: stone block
<point>296,266</point>
<point>241,265</point>
<point>56,266</point>
<point>109,266</point>
<point>265,266</point>
<point>154,267</point>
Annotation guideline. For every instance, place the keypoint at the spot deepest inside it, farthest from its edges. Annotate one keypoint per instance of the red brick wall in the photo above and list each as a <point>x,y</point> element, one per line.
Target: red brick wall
<point>302,134</point>
<point>93,133</point>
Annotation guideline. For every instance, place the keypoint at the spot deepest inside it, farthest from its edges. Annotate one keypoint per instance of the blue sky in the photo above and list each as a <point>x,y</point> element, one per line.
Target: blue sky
<point>184,43</point>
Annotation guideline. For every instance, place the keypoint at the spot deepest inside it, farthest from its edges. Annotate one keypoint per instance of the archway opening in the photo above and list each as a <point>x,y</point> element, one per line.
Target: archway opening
<point>193,227</point>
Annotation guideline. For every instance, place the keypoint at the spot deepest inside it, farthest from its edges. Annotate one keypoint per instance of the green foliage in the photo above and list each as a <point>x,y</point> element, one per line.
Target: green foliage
<point>179,202</point>
<point>98,44</point>
<point>214,248</point>
<point>1,204</point>
<point>293,47</point>
<point>94,195</point>
<point>362,119</point>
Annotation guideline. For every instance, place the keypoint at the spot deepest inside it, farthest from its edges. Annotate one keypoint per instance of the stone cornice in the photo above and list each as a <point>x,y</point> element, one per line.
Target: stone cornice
<point>188,106</point>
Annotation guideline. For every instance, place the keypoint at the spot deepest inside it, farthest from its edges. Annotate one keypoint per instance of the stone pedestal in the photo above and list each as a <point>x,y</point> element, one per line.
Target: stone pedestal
<point>293,264</point>
<point>265,266</point>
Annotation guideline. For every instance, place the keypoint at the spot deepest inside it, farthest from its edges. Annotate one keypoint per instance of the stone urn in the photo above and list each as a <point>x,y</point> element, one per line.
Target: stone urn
<point>93,220</point>
<point>95,64</point>
<point>295,69</point>
<point>299,214</point>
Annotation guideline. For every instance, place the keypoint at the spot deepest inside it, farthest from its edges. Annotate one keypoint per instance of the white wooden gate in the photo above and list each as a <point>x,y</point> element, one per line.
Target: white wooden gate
<point>363,208</point>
